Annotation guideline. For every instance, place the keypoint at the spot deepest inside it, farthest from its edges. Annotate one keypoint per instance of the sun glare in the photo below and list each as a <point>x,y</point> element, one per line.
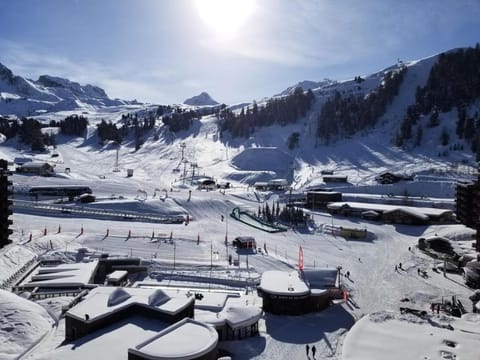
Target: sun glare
<point>224,16</point>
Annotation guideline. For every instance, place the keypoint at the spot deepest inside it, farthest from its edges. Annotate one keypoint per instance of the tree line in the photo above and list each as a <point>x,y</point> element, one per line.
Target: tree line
<point>453,84</point>
<point>29,130</point>
<point>344,116</point>
<point>285,110</point>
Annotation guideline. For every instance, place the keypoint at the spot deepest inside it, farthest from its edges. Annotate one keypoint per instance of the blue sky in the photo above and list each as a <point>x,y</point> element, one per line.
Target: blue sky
<point>164,51</point>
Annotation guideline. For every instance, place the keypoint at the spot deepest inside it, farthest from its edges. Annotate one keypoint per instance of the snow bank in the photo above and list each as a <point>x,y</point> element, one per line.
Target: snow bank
<point>22,324</point>
<point>392,336</point>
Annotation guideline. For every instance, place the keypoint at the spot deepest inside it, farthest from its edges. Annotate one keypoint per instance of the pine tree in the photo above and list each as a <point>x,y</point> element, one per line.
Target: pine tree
<point>461,117</point>
<point>419,136</point>
<point>444,137</point>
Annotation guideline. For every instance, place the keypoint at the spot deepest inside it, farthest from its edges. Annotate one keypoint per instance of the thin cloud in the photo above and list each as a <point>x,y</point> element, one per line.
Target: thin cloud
<point>118,80</point>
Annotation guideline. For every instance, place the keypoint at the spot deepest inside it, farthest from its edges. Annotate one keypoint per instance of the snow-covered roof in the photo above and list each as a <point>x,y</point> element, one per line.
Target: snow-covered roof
<point>409,211</point>
<point>185,339</point>
<point>235,313</point>
<point>103,301</point>
<point>386,207</point>
<point>245,239</point>
<point>283,283</point>
<point>241,316</point>
<point>117,275</point>
<point>213,301</point>
<point>62,275</point>
<point>217,307</point>
<point>278,182</point>
<point>35,165</point>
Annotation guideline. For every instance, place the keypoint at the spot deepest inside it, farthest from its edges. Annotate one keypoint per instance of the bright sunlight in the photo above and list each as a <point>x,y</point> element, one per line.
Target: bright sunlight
<point>225,16</point>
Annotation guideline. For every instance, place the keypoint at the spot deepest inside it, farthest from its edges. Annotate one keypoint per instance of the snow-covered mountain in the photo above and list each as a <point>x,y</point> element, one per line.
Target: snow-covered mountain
<point>24,97</point>
<point>306,85</point>
<point>202,99</point>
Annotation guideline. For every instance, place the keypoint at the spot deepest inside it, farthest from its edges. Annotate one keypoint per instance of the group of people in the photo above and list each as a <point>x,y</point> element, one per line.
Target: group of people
<point>314,350</point>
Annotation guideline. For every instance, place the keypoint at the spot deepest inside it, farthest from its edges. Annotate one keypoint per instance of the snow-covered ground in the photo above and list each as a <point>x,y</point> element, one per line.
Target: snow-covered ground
<point>163,182</point>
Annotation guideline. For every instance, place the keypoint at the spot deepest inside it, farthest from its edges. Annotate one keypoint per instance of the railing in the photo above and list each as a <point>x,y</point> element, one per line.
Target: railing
<point>9,282</point>
<point>31,206</point>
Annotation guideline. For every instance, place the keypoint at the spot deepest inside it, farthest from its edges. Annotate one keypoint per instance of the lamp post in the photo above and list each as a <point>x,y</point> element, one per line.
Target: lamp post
<point>174,250</point>
<point>339,274</point>
<point>226,234</point>
<point>332,224</point>
<point>211,264</point>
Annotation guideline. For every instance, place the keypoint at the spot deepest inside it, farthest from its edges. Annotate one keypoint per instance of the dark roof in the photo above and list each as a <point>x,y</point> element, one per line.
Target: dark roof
<point>320,278</point>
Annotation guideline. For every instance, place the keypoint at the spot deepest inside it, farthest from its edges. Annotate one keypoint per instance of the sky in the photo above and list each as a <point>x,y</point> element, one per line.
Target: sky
<point>164,51</point>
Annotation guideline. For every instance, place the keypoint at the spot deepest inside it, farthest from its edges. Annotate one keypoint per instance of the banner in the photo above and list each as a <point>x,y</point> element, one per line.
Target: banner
<point>300,259</point>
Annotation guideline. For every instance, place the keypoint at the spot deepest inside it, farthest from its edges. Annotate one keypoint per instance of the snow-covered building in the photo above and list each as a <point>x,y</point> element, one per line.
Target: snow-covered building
<point>320,199</point>
<point>334,179</point>
<point>206,184</point>
<point>294,293</point>
<point>38,168</point>
<point>62,279</point>
<point>272,185</point>
<point>231,315</point>
<point>117,278</point>
<point>244,242</point>
<point>404,215</point>
<point>394,213</point>
<point>104,306</point>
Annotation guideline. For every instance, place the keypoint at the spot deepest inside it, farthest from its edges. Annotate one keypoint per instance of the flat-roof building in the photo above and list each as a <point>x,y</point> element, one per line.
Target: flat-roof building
<point>290,293</point>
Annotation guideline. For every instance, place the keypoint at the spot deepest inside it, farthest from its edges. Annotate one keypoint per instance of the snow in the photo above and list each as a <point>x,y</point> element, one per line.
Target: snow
<point>183,340</point>
<point>63,275</point>
<point>197,256</point>
<point>22,323</point>
<point>283,283</point>
<point>118,296</point>
<point>112,343</point>
<point>417,211</point>
<point>49,94</point>
<point>103,301</point>
<point>391,336</point>
<point>117,275</point>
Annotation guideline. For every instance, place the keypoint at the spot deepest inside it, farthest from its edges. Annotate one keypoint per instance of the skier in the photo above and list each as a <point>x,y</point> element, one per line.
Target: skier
<point>314,350</point>
<point>307,348</point>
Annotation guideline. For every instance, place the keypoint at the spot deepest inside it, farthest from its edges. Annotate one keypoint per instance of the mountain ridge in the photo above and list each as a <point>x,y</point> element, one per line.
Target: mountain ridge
<point>20,96</point>
<point>202,99</point>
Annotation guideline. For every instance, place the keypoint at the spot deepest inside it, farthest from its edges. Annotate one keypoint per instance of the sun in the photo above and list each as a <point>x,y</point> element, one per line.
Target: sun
<point>225,16</point>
